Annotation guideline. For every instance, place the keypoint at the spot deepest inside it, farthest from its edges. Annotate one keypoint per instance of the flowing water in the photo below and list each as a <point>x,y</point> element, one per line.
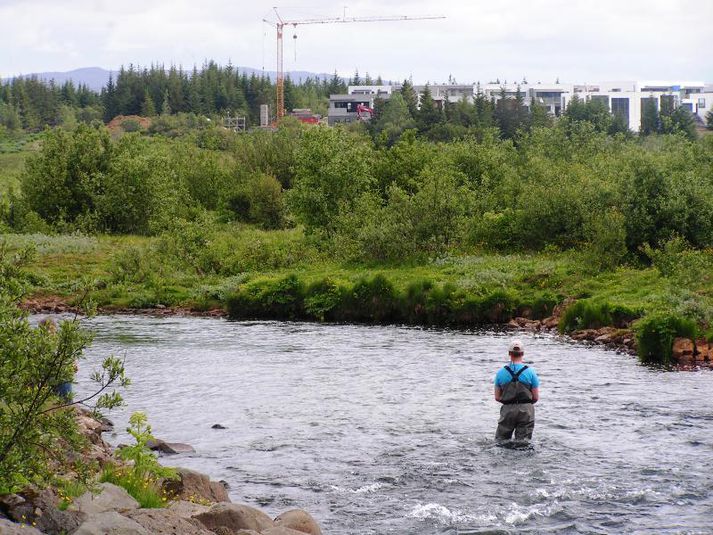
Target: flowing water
<point>389,430</point>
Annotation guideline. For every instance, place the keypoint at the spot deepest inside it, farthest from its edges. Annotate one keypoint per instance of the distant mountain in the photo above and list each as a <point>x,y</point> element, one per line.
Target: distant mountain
<point>96,77</point>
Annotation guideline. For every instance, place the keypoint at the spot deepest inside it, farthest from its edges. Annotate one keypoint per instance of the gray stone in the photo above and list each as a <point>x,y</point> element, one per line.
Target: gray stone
<point>110,497</point>
<point>169,448</point>
<point>186,509</point>
<point>298,520</point>
<point>166,522</point>
<point>10,528</point>
<point>281,530</point>
<point>235,517</point>
<point>110,523</point>
<point>193,485</point>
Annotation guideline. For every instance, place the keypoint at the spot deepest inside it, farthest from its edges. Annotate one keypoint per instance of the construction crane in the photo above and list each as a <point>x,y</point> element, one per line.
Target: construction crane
<point>281,23</point>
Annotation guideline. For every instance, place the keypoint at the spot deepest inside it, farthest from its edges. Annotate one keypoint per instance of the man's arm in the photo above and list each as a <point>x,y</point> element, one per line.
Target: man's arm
<point>535,394</point>
<point>498,393</point>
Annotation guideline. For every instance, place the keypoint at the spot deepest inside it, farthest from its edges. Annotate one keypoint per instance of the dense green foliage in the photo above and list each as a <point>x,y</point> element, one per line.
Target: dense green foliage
<point>35,424</point>
<point>386,196</point>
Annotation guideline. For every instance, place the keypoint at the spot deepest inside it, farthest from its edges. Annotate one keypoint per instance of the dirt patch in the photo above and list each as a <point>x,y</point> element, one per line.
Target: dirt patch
<point>116,125</point>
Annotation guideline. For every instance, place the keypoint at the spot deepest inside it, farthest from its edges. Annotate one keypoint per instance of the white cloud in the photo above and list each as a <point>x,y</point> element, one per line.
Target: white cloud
<point>479,39</point>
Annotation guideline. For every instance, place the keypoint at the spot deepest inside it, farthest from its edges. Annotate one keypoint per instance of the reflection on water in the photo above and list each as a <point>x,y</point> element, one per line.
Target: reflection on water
<point>380,430</point>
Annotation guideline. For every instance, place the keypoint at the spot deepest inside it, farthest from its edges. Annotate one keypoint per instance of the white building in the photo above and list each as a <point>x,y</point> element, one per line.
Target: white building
<point>623,98</point>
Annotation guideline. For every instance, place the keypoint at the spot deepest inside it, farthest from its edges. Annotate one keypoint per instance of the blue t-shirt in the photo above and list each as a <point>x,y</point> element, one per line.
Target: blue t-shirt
<point>528,377</point>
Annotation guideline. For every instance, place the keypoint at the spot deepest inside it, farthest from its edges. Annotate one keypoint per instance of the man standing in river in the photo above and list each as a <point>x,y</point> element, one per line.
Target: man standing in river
<point>517,387</point>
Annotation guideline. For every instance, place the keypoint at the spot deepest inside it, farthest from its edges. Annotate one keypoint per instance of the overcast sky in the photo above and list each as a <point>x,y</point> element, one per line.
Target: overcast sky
<point>480,40</point>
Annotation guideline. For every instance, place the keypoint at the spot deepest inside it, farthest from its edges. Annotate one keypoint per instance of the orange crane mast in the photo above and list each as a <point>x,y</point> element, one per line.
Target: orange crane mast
<point>281,23</point>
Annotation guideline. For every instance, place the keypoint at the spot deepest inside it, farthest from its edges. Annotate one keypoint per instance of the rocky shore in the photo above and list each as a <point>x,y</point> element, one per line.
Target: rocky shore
<point>197,506</point>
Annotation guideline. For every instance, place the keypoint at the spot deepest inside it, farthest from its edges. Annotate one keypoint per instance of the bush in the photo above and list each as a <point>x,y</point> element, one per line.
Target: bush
<point>260,201</point>
<point>588,314</point>
<point>655,335</point>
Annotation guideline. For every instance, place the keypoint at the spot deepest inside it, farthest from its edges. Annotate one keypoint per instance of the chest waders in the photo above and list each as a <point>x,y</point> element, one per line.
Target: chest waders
<point>516,392</point>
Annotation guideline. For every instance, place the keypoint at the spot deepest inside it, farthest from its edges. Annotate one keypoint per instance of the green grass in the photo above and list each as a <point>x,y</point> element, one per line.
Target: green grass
<point>282,274</point>
<point>144,491</point>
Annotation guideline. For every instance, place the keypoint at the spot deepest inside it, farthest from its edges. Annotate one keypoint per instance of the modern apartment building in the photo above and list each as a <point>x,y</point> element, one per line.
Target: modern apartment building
<point>625,98</point>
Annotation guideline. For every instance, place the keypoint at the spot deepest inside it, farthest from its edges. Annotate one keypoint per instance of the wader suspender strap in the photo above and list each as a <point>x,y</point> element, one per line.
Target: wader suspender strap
<point>515,375</point>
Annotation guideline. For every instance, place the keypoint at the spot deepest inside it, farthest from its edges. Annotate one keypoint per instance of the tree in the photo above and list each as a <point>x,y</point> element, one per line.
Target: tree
<point>148,109</point>
<point>709,120</point>
<point>35,424</point>
<point>61,182</point>
<point>649,118</point>
<point>392,121</point>
<point>332,169</point>
<point>410,97</point>
<point>539,116</point>
<point>166,105</point>
<point>429,115</point>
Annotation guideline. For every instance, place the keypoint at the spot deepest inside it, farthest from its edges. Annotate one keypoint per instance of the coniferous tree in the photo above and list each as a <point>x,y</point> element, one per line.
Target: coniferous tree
<point>410,97</point>
<point>148,108</point>
<point>649,118</point>
<point>429,115</point>
<point>709,120</point>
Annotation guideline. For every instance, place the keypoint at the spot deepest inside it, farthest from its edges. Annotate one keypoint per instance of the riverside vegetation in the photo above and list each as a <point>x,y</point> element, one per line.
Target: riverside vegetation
<point>419,218</point>
<point>347,225</point>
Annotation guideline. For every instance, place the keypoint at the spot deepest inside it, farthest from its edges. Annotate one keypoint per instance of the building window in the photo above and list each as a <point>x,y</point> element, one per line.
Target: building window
<point>620,108</point>
<point>646,100</point>
<point>600,98</point>
<point>701,103</point>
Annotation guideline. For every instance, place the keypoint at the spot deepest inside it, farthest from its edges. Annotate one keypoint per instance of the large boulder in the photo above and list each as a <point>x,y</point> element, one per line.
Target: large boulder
<point>234,516</point>
<point>192,485</point>
<point>186,509</point>
<point>109,498</point>
<point>281,530</point>
<point>39,508</point>
<point>169,448</point>
<point>110,523</point>
<point>298,520</point>
<point>166,522</point>
<point>683,351</point>
<point>10,528</point>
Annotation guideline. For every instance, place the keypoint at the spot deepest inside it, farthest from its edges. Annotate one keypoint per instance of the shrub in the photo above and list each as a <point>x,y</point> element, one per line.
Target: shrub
<point>371,299</point>
<point>655,335</point>
<point>131,125</point>
<point>322,298</point>
<point>588,314</point>
<point>260,201</point>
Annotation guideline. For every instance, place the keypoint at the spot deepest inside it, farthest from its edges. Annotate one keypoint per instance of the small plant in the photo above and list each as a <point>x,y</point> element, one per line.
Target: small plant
<point>141,477</point>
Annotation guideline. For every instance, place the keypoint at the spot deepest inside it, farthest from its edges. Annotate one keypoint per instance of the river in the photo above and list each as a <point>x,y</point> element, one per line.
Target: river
<point>389,430</point>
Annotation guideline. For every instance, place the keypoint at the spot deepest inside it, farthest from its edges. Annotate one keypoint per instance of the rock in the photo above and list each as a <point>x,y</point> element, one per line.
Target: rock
<point>281,530</point>
<point>683,350</point>
<point>298,520</point>
<point>550,323</point>
<point>186,509</point>
<point>235,516</point>
<point>110,497</point>
<point>10,528</point>
<point>192,485</point>
<point>169,448</point>
<point>166,522</point>
<point>218,426</point>
<point>110,523</point>
<point>703,350</point>
<point>39,508</point>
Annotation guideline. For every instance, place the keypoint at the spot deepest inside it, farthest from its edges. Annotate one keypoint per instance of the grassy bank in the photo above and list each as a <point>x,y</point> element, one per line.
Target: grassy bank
<point>280,274</point>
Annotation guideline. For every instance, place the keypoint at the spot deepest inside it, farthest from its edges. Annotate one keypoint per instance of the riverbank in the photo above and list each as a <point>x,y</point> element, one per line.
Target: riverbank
<point>282,275</point>
<point>192,504</point>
